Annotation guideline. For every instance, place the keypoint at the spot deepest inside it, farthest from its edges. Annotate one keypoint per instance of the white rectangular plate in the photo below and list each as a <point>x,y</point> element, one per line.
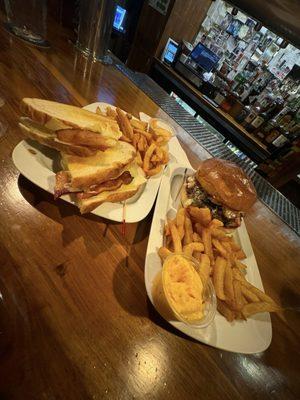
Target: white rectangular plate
<point>251,336</point>
<point>40,163</point>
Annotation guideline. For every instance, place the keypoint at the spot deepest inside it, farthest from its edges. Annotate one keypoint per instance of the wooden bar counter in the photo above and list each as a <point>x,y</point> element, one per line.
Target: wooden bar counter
<point>75,322</point>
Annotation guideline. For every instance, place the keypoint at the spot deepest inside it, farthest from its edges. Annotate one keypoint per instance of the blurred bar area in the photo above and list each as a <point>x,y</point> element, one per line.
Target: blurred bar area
<point>240,77</point>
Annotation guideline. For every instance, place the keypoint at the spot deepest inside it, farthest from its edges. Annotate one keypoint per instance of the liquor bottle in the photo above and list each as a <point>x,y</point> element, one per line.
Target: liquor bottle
<point>256,122</point>
<point>262,117</point>
<point>287,118</point>
<point>246,92</point>
<point>280,141</point>
<point>250,117</point>
<point>283,146</point>
<point>273,134</point>
<point>240,118</point>
<point>265,120</point>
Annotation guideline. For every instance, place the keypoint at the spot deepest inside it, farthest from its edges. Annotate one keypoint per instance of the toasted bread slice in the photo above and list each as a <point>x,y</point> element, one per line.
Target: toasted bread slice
<point>46,137</point>
<point>64,116</point>
<point>104,165</point>
<point>120,194</point>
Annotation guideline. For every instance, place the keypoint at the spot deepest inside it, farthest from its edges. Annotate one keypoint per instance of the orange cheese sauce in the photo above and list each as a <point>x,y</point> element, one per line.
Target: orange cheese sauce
<point>183,288</point>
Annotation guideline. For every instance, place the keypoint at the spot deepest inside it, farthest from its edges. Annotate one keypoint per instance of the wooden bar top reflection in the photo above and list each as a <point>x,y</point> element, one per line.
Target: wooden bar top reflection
<point>75,322</point>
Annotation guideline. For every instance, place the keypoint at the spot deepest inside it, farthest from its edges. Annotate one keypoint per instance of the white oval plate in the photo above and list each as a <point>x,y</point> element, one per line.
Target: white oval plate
<point>251,336</point>
<point>40,163</point>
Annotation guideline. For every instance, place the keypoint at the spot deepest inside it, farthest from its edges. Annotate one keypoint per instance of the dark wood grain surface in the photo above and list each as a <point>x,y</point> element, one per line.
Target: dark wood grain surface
<point>75,322</point>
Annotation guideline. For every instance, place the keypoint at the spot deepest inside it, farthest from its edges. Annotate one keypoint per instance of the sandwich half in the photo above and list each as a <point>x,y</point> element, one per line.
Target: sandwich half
<point>108,176</point>
<point>68,128</point>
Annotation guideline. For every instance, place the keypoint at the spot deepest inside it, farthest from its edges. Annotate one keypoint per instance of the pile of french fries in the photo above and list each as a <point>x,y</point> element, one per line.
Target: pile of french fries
<point>149,140</point>
<point>195,233</point>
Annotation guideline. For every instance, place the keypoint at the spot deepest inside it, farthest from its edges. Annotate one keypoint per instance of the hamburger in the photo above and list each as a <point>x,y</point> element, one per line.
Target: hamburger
<point>223,187</point>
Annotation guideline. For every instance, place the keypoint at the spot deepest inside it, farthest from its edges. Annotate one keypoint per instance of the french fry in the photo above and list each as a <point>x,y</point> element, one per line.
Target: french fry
<point>169,243</point>
<point>154,159</point>
<point>138,124</point>
<point>125,139</point>
<point>220,249</point>
<point>148,155</point>
<point>218,233</point>
<point>218,277</point>
<point>162,132</point>
<point>254,308</point>
<point>198,228</point>
<point>167,229</point>
<point>240,255</point>
<point>166,157</point>
<point>141,144</point>
<point>188,236</point>
<point>228,231</point>
<point>183,196</point>
<point>160,141</point>
<point>225,239</point>
<point>111,113</point>
<point>196,237</point>
<point>238,275</point>
<point>204,269</point>
<point>228,284</point>
<point>263,297</point>
<point>159,153</point>
<point>180,218</point>
<point>147,135</point>
<point>154,171</point>
<point>201,215</point>
<point>240,266</point>
<point>190,248</point>
<point>163,253</point>
<point>176,238</point>
<point>234,246</point>
<point>239,315</point>
<point>206,239</point>
<point>260,294</point>
<point>227,247</point>
<point>225,310</point>
<point>249,295</point>
<point>124,123</point>
<point>135,139</point>
<point>138,158</point>
<point>153,123</point>
<point>238,297</point>
<point>215,223</point>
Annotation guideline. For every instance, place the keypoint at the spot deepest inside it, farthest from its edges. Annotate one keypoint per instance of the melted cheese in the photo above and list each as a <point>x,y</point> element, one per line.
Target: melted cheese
<point>183,288</point>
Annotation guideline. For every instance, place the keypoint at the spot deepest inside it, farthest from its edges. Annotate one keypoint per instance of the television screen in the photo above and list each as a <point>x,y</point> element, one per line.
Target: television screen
<point>119,19</point>
<point>170,53</point>
<point>204,57</point>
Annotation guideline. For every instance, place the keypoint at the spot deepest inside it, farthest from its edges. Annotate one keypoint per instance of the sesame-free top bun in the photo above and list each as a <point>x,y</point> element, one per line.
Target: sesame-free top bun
<point>226,183</point>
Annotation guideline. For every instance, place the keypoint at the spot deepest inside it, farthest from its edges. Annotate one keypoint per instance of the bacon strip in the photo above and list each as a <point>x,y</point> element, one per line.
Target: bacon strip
<point>61,184</point>
<point>112,184</point>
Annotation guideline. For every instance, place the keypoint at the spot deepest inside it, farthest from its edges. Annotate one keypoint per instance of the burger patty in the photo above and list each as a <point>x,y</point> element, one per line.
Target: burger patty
<point>199,197</point>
